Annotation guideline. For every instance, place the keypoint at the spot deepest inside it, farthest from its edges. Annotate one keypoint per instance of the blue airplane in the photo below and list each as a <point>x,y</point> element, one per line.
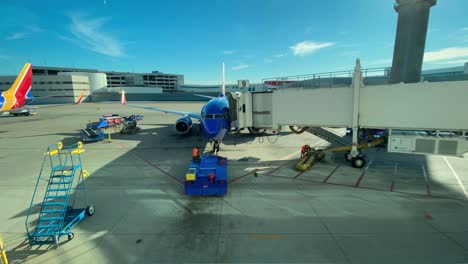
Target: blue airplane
<point>214,117</point>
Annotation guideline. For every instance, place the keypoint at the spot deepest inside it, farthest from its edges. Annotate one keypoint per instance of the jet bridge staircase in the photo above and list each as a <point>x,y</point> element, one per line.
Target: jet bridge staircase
<point>329,136</point>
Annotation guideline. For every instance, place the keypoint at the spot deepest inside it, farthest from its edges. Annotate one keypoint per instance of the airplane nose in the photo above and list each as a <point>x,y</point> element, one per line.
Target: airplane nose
<point>211,128</point>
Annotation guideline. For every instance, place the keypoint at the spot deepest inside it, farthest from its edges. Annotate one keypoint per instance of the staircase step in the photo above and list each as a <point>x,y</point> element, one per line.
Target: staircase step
<point>65,168</point>
<point>54,204</point>
<point>60,176</point>
<point>49,218</point>
<point>55,197</point>
<point>58,190</point>
<point>60,182</point>
<point>329,136</point>
<point>51,211</point>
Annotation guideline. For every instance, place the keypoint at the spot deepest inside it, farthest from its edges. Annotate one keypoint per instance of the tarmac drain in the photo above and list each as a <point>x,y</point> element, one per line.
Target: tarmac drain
<point>139,241</point>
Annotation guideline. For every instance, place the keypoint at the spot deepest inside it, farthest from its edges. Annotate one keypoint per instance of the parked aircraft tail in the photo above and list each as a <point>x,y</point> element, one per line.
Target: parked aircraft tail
<point>80,99</point>
<point>123,99</point>
<point>16,96</point>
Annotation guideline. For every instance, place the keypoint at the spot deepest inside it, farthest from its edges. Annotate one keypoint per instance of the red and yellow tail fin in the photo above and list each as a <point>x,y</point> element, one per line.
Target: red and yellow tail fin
<point>80,99</point>
<point>15,97</point>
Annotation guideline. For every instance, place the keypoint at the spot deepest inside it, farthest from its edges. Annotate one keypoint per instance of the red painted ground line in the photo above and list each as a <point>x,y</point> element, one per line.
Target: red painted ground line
<point>428,189</point>
<point>360,179</point>
<point>151,164</point>
<point>279,167</point>
<point>366,188</point>
<point>240,177</point>
<point>328,177</point>
<point>299,174</point>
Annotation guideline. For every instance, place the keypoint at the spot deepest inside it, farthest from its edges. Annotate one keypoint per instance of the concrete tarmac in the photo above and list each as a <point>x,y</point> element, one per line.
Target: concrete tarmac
<point>398,209</point>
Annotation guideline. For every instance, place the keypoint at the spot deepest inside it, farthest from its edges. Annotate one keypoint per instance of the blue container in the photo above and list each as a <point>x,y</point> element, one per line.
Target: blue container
<point>207,177</point>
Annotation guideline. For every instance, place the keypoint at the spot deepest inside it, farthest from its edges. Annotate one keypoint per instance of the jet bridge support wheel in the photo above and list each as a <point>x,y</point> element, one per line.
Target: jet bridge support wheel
<point>358,162</point>
<point>348,156</point>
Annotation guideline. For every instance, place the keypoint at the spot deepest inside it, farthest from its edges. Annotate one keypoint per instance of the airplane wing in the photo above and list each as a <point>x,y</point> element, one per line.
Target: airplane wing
<point>206,96</point>
<point>189,114</point>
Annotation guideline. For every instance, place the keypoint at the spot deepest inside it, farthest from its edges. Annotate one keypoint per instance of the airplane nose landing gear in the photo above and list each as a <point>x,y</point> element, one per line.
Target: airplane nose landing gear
<point>216,146</point>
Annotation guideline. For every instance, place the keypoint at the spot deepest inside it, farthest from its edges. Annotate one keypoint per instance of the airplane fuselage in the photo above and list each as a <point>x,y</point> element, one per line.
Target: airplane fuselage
<point>215,121</point>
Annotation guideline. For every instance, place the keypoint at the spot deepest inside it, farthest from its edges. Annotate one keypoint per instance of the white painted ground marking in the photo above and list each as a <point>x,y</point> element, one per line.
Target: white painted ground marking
<point>458,178</point>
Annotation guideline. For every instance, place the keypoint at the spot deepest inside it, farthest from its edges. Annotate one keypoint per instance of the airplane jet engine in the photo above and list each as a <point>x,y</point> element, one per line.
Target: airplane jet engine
<point>183,125</point>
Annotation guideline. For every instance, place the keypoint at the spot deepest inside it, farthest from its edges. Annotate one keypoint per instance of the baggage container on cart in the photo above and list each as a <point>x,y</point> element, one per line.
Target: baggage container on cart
<point>106,121</point>
<point>207,177</point>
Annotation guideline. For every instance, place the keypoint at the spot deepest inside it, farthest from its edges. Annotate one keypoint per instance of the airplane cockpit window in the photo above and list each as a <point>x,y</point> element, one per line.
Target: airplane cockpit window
<point>213,116</point>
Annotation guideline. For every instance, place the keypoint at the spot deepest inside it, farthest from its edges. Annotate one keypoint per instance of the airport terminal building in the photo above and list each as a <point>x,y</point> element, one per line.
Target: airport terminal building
<point>64,88</point>
<point>67,84</point>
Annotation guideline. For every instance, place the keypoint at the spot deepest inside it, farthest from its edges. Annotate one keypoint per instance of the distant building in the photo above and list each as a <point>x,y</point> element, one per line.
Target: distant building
<point>447,71</point>
<point>167,82</point>
<point>64,88</point>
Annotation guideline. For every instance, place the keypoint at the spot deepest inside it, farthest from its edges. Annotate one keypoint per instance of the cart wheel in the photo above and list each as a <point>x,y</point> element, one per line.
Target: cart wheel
<point>71,236</point>
<point>90,210</point>
<point>348,156</point>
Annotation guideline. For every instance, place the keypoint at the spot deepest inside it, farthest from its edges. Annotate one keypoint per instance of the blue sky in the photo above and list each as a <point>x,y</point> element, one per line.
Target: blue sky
<point>256,39</point>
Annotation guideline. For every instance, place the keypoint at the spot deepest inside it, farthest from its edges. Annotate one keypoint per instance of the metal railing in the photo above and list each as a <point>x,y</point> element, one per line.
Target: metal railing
<point>371,76</point>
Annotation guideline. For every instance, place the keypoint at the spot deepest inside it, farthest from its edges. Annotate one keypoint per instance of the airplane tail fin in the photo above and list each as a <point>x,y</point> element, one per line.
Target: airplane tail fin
<point>224,82</point>
<point>19,91</point>
<point>80,99</point>
<point>123,99</point>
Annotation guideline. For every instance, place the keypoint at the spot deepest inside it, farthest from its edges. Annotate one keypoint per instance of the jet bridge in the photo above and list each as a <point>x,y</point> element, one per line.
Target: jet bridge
<point>422,118</point>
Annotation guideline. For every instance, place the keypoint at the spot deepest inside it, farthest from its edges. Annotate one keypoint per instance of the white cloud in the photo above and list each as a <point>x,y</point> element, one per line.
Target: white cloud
<point>17,35</point>
<point>446,54</point>
<point>229,52</point>
<point>267,60</point>
<point>240,66</point>
<point>279,55</point>
<point>89,35</point>
<point>308,47</point>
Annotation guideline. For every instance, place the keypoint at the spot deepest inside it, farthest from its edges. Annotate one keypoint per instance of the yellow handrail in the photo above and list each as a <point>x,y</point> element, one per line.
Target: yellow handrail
<point>3,256</point>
